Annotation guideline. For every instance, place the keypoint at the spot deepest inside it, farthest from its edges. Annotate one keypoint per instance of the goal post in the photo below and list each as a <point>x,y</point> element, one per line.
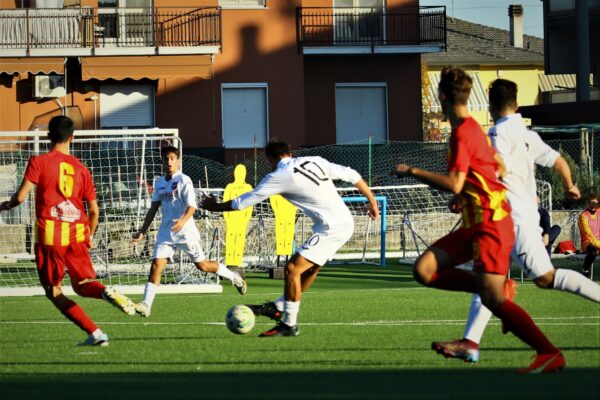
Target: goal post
<point>363,256</point>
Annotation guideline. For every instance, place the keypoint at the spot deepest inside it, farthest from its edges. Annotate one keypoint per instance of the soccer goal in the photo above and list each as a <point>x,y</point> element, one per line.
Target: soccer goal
<point>412,216</point>
<point>123,165</point>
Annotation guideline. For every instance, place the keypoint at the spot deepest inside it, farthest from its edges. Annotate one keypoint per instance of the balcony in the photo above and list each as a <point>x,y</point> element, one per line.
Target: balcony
<point>338,30</point>
<point>90,31</point>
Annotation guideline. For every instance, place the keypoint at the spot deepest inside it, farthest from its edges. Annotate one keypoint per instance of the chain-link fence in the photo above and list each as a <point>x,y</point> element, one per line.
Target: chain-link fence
<point>375,162</point>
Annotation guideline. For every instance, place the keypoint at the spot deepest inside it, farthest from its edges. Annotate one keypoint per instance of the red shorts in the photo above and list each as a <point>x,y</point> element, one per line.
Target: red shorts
<point>51,262</point>
<point>488,244</point>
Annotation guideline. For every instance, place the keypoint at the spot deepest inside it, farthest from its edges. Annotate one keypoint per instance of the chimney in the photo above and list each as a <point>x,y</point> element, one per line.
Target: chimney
<point>515,14</point>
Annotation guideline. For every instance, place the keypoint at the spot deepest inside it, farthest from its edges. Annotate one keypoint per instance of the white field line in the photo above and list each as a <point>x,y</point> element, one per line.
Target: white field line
<point>558,321</point>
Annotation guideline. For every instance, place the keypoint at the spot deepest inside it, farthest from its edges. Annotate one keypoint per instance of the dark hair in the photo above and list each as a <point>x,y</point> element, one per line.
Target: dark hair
<point>276,148</point>
<point>60,129</point>
<point>502,94</point>
<point>591,197</point>
<point>455,84</point>
<point>165,151</point>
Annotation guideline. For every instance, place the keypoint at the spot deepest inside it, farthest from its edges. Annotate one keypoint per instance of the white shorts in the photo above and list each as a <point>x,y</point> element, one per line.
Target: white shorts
<point>322,246</point>
<point>529,252</point>
<point>167,250</point>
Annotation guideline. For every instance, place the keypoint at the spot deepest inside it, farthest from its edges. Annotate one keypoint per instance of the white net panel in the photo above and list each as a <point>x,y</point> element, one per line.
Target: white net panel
<point>123,166</point>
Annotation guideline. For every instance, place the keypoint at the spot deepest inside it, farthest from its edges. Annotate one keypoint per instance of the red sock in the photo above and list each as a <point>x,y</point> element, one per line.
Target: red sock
<point>454,279</point>
<point>520,323</point>
<point>93,289</point>
<point>76,315</point>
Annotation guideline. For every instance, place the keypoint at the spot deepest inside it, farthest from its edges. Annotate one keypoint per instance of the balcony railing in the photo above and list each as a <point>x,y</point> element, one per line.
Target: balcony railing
<point>103,28</point>
<point>372,27</point>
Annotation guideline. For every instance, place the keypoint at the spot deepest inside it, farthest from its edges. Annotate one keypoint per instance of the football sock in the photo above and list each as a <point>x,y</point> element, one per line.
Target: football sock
<point>454,279</point>
<point>75,314</point>
<point>149,293</point>
<point>226,272</point>
<point>280,302</point>
<point>479,316</point>
<point>290,318</point>
<point>96,334</point>
<point>520,323</point>
<point>92,289</point>
<point>572,281</point>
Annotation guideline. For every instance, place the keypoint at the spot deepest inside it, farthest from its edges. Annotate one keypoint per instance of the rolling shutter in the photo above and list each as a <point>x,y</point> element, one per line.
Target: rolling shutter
<point>360,111</point>
<point>126,106</point>
<point>244,116</point>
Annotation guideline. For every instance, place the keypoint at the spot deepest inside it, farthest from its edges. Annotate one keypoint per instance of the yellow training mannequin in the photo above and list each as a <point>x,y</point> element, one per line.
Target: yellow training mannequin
<point>236,221</point>
<point>285,223</point>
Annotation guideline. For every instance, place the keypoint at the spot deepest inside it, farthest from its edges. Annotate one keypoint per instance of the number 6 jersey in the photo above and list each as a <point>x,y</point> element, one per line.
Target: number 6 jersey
<point>63,184</point>
<point>307,183</point>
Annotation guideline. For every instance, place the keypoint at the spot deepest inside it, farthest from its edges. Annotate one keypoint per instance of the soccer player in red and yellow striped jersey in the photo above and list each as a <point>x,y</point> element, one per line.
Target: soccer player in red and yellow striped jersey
<point>486,235</point>
<point>64,229</point>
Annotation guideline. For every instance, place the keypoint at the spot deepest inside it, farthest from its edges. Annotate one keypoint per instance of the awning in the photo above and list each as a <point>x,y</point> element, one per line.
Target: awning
<point>548,83</point>
<point>34,65</point>
<point>478,100</point>
<point>151,67</point>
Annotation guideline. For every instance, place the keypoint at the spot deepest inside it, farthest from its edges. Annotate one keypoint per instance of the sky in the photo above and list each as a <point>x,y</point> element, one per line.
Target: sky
<point>494,13</point>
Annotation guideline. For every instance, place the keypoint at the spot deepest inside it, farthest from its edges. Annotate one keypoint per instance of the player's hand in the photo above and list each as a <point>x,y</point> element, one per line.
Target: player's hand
<point>546,239</point>
<point>208,203</point>
<point>137,236</point>
<point>177,226</point>
<point>454,205</point>
<point>91,243</point>
<point>573,192</point>
<point>402,170</point>
<point>373,210</point>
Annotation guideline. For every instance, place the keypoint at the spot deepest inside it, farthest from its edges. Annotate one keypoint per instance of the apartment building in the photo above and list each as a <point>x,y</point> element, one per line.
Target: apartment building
<point>229,74</point>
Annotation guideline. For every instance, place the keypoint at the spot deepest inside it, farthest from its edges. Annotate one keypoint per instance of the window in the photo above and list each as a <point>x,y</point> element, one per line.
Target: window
<point>126,106</point>
<point>242,3</point>
<point>245,115</point>
<point>358,21</point>
<point>360,111</point>
<point>125,21</point>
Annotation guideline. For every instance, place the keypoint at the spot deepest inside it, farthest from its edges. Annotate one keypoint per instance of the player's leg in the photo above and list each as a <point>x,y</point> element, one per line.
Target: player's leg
<point>491,266</point>
<point>144,307</point>
<point>194,251</point>
<point>294,270</point>
<point>84,283</point>
<point>308,277</point>
<point>50,269</point>
<point>435,267</point>
<point>591,253</point>
<point>531,256</point>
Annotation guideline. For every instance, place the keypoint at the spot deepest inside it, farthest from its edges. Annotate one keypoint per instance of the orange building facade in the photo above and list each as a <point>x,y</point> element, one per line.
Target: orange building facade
<point>229,74</point>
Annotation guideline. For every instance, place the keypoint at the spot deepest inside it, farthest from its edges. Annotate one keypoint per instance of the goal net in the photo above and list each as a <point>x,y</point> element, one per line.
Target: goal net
<point>123,165</point>
<point>417,210</point>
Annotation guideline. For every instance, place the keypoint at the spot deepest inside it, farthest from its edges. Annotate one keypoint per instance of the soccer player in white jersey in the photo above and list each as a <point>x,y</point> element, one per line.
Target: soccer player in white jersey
<point>521,149</point>
<point>174,192</point>
<point>307,183</point>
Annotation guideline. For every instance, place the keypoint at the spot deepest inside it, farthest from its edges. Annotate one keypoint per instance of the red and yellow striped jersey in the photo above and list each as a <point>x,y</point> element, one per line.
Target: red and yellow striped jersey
<point>63,184</point>
<point>483,197</point>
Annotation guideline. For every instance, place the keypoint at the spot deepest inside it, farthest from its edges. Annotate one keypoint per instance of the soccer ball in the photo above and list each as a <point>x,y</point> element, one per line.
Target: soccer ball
<point>239,319</point>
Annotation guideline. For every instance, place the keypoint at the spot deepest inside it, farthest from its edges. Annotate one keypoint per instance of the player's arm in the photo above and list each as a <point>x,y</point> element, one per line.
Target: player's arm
<point>147,221</point>
<point>562,169</point>
<point>453,182</point>
<point>373,206</point>
<point>265,189</point>
<point>93,215</point>
<point>19,196</point>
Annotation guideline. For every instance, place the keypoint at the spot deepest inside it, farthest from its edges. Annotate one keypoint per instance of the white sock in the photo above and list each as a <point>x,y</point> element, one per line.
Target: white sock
<point>280,303</point>
<point>572,281</point>
<point>479,316</point>
<point>96,334</point>
<point>149,293</point>
<point>290,318</point>
<point>226,273</point>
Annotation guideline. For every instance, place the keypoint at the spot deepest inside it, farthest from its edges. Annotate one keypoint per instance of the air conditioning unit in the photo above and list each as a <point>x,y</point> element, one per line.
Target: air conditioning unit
<point>48,86</point>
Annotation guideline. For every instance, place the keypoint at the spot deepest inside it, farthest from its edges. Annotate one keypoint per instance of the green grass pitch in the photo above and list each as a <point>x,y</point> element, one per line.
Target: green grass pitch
<point>366,333</point>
